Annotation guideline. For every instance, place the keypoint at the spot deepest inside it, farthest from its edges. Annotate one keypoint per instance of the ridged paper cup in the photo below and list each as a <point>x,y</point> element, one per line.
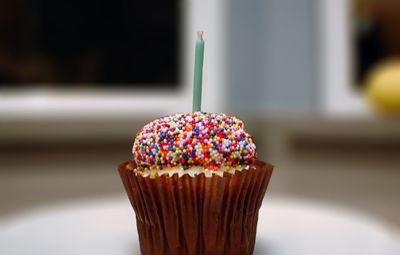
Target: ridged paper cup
<point>199,215</point>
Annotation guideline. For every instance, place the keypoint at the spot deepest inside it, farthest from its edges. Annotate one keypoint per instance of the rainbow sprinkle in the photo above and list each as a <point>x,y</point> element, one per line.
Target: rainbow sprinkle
<point>194,139</point>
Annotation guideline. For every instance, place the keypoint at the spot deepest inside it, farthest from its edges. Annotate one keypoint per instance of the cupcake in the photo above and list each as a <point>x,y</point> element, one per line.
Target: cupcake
<point>196,185</point>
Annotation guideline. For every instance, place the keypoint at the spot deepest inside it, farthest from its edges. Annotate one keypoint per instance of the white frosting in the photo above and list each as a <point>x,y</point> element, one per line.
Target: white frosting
<point>193,171</point>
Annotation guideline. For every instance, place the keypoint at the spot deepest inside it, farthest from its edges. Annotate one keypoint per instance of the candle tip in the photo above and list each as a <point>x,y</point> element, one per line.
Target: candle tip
<point>200,34</point>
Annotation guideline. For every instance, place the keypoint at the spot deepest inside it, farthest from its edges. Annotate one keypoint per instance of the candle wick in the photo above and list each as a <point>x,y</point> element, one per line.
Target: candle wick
<point>200,34</point>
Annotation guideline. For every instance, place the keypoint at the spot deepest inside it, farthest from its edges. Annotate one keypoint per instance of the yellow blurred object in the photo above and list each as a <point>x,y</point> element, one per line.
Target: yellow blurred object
<point>383,87</point>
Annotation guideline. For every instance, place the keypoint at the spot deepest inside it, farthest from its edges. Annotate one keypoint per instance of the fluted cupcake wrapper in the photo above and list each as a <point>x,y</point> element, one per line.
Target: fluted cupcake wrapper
<point>197,215</point>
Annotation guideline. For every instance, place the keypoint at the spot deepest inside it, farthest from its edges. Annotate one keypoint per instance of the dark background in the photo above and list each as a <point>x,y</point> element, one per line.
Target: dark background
<point>70,42</point>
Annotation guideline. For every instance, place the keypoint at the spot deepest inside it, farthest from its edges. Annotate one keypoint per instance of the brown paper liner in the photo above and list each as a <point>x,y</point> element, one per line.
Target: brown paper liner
<point>197,215</point>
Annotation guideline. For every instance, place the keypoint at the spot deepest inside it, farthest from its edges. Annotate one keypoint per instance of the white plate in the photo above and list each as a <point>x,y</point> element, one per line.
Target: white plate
<point>107,226</point>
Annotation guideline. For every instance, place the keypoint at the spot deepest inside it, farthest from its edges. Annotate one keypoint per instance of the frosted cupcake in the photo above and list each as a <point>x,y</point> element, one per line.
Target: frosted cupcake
<point>196,185</point>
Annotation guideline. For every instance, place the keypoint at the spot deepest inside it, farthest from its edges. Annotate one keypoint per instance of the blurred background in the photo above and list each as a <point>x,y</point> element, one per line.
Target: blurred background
<point>317,83</point>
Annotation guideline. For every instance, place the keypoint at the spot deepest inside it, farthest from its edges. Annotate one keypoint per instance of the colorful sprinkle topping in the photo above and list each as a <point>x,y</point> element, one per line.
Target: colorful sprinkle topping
<point>194,139</point>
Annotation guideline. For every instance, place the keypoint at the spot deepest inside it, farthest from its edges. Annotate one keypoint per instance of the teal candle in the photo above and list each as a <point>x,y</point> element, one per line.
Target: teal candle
<point>198,72</point>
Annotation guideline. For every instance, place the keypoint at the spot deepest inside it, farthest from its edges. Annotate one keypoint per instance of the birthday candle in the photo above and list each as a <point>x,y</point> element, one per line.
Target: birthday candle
<point>198,72</point>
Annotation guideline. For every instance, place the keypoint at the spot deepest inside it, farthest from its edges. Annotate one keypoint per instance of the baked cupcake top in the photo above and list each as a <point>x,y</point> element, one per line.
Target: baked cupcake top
<point>191,140</point>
